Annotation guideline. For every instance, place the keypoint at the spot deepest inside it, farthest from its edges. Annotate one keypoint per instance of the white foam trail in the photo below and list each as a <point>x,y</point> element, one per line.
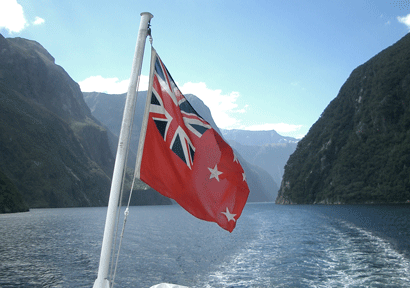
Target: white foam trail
<point>361,258</point>
<point>293,252</point>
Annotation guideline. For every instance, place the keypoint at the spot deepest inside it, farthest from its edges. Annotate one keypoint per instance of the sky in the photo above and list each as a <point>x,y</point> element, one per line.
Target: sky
<point>258,65</point>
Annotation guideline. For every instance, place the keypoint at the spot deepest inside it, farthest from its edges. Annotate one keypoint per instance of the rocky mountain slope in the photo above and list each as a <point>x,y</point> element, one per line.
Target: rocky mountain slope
<point>52,148</point>
<point>11,199</point>
<point>359,149</point>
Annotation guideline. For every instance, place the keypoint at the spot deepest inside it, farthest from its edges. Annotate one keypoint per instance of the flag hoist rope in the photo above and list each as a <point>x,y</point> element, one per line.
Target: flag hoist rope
<point>122,152</point>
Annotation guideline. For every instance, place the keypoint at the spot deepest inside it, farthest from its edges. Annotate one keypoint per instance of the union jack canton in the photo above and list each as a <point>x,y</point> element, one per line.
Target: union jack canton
<point>175,118</point>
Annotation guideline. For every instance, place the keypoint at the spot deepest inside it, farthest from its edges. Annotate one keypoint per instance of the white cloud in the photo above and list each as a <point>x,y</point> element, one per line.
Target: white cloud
<point>110,85</point>
<point>12,16</point>
<point>243,110</point>
<point>38,21</point>
<point>405,20</point>
<point>220,104</point>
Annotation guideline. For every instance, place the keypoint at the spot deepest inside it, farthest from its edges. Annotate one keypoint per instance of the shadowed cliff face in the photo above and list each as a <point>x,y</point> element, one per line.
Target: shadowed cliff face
<point>359,149</point>
<point>10,198</point>
<point>29,69</point>
<point>51,147</point>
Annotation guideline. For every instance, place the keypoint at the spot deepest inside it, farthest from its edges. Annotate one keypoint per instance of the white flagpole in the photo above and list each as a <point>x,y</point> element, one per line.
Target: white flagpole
<point>129,110</point>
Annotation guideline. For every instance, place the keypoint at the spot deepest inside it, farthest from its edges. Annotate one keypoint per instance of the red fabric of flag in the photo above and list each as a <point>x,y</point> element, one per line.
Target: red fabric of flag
<point>182,157</point>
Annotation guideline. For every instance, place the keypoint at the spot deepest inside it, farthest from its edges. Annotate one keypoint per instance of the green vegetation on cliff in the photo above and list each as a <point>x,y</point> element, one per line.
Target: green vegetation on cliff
<point>10,198</point>
<point>359,149</point>
<point>51,147</point>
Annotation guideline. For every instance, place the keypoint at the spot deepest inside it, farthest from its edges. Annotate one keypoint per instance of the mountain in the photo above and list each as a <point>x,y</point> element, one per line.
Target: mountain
<point>53,151</point>
<point>256,138</point>
<point>109,108</point>
<point>358,151</point>
<point>270,157</point>
<point>11,199</point>
<point>266,149</point>
<point>52,148</point>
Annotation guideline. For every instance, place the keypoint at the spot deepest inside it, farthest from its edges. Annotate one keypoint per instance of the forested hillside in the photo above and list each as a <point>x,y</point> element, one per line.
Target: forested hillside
<point>52,148</point>
<point>359,149</point>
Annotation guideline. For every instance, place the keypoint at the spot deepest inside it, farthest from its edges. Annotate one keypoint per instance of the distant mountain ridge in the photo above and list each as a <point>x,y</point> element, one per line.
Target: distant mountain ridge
<point>108,109</point>
<point>270,157</point>
<point>358,151</point>
<point>258,138</point>
<point>266,149</point>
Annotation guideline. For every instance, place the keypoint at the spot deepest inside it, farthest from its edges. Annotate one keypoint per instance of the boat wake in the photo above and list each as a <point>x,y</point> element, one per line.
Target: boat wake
<point>328,252</point>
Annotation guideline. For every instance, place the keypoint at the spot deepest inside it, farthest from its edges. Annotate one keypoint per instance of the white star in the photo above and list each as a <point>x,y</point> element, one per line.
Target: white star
<point>235,158</point>
<point>244,176</point>
<point>214,172</point>
<point>229,215</point>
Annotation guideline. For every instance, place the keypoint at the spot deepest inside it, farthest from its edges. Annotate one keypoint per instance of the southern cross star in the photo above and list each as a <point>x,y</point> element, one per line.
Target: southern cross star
<point>244,176</point>
<point>229,215</point>
<point>214,172</point>
<point>235,158</point>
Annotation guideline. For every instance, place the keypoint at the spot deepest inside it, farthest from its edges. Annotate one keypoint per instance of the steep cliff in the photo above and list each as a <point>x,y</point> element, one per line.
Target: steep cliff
<point>359,149</point>
<point>11,199</point>
<point>51,147</point>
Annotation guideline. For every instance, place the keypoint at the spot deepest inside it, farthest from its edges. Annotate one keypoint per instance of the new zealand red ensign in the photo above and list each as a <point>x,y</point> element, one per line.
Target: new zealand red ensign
<point>182,157</point>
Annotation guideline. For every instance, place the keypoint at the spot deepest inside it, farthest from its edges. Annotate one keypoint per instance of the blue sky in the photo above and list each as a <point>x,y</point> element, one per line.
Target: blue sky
<point>258,65</point>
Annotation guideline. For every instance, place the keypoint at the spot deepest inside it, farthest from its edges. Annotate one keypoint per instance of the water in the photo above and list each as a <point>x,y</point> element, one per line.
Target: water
<point>272,246</point>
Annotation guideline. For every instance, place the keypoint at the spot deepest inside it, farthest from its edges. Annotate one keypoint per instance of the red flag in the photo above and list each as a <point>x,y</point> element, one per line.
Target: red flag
<point>182,157</point>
